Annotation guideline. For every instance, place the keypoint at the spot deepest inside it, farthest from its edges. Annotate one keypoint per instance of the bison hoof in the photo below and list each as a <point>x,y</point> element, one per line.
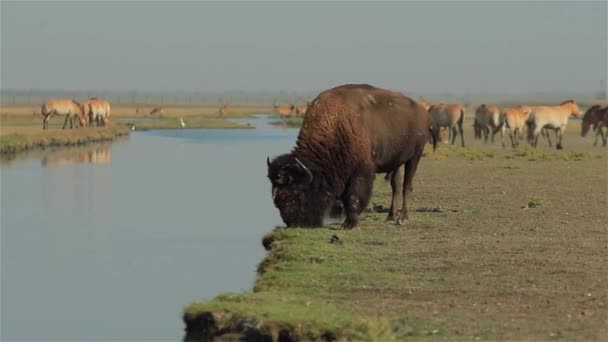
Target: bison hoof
<point>401,222</point>
<point>348,225</point>
<point>559,147</point>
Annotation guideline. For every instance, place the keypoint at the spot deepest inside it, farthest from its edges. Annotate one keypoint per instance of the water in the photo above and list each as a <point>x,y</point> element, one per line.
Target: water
<point>110,242</point>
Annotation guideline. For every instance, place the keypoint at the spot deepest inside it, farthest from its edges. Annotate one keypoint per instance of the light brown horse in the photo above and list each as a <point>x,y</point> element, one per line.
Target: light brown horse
<point>301,110</point>
<point>284,111</point>
<point>157,110</point>
<point>99,111</point>
<point>65,107</point>
<point>450,116</point>
<point>596,118</point>
<point>555,117</point>
<point>223,110</point>
<point>486,118</point>
<point>515,120</point>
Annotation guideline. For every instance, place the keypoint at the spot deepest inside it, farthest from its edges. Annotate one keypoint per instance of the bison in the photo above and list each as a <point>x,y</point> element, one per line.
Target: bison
<point>349,134</point>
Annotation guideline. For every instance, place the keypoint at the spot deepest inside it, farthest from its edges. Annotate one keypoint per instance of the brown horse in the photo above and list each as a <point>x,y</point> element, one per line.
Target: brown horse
<point>486,118</point>
<point>284,111</point>
<point>157,110</point>
<point>65,107</point>
<point>596,118</point>
<point>450,116</point>
<point>301,110</point>
<point>223,110</point>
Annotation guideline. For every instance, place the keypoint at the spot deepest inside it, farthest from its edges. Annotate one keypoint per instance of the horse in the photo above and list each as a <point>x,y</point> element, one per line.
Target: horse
<point>515,120</point>
<point>486,118</point>
<point>223,110</point>
<point>596,117</point>
<point>99,111</point>
<point>284,111</point>
<point>65,107</point>
<point>555,117</point>
<point>301,110</point>
<point>157,110</point>
<point>450,116</point>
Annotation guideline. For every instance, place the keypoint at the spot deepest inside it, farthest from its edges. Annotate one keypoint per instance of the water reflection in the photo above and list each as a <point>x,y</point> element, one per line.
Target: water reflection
<point>94,153</point>
<point>97,154</point>
<point>128,234</point>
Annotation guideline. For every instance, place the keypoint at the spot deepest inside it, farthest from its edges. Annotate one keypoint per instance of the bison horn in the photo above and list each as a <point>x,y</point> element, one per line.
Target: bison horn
<point>268,161</point>
<point>305,169</point>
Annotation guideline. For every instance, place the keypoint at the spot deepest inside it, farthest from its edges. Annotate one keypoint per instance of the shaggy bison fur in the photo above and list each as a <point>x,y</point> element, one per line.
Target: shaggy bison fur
<point>349,134</point>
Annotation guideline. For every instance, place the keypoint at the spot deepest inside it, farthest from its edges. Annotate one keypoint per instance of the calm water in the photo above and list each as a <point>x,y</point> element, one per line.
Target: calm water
<point>110,242</point>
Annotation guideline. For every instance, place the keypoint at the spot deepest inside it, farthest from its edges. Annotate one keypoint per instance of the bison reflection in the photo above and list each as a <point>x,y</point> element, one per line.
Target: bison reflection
<point>349,133</point>
<point>98,155</point>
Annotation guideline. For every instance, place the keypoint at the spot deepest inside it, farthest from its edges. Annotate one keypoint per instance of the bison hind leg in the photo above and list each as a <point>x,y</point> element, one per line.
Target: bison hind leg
<point>408,177</point>
<point>356,195</point>
<point>396,185</point>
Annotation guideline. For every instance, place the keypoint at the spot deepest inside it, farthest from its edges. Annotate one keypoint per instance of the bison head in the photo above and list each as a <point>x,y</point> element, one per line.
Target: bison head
<point>300,194</point>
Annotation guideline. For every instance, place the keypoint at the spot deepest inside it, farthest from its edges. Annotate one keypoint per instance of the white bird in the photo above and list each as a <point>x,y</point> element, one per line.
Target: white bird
<point>133,127</point>
<point>181,121</point>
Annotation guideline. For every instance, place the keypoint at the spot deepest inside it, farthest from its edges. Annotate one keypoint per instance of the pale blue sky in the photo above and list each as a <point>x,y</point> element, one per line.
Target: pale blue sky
<point>419,47</point>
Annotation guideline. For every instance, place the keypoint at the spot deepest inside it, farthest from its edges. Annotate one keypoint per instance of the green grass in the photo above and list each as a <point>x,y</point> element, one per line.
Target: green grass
<point>305,284</point>
<point>479,268</point>
<point>525,152</point>
<point>535,202</point>
<point>291,122</point>
<point>30,139</point>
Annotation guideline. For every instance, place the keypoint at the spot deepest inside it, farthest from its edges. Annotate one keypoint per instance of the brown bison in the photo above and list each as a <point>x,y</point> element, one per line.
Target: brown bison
<point>349,134</point>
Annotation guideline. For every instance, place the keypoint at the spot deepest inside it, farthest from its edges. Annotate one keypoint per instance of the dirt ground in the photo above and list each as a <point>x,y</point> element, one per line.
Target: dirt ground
<point>502,244</point>
<point>520,245</point>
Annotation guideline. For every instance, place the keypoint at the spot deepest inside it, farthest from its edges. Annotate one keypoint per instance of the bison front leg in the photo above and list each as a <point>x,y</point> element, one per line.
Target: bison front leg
<point>409,171</point>
<point>356,196</point>
<point>396,185</point>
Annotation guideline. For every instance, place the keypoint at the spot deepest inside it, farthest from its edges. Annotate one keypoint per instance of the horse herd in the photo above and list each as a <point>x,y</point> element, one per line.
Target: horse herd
<point>446,119</point>
<point>89,112</point>
<point>537,120</point>
<point>286,112</point>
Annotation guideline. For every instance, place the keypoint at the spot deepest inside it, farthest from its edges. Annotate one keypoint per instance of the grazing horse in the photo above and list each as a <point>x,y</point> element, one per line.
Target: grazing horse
<point>301,110</point>
<point>596,117</point>
<point>99,111</point>
<point>223,110</point>
<point>157,110</point>
<point>284,111</point>
<point>515,120</point>
<point>450,116</point>
<point>555,118</point>
<point>65,107</point>
<point>486,118</point>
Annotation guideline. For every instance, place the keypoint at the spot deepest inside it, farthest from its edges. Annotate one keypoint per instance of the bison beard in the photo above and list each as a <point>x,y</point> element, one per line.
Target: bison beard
<point>349,133</point>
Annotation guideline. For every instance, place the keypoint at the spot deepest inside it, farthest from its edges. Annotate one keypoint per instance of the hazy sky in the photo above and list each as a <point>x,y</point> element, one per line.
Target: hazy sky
<point>423,47</point>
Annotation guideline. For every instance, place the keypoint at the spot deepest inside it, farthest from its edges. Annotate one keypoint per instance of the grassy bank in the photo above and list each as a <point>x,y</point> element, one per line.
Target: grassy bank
<point>25,140</point>
<point>292,122</point>
<point>501,245</point>
<point>21,126</point>
<point>191,122</point>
